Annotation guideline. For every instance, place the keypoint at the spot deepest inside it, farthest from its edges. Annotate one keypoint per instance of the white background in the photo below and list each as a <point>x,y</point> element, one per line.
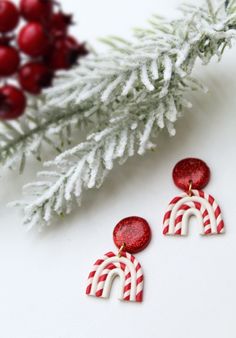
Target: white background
<point>190,284</point>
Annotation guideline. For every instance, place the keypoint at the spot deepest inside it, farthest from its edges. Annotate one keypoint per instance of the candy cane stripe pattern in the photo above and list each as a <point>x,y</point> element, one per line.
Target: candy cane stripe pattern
<point>110,266</point>
<point>199,204</point>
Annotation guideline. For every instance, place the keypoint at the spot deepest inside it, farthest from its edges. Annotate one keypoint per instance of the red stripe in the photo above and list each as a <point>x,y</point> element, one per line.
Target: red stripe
<point>127,298</point>
<point>99,293</point>
<point>208,232</point>
<point>178,232</point>
<point>211,199</point>
<point>220,227</point>
<point>201,194</point>
<point>138,267</point>
<point>207,222</point>
<point>205,213</point>
<point>178,219</point>
<point>127,287</point>
<point>139,280</point>
<point>176,199</point>
<point>167,216</point>
<point>184,207</point>
<point>110,266</point>
<point>217,212</point>
<point>139,297</point>
<point>92,273</point>
<point>99,262</point>
<point>110,254</point>
<point>88,290</point>
<point>122,265</point>
<point>128,275</point>
<point>166,230</point>
<point>197,205</point>
<point>102,278</point>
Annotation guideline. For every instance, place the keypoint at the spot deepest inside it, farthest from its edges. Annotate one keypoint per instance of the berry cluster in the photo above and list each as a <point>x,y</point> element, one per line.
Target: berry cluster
<point>44,45</point>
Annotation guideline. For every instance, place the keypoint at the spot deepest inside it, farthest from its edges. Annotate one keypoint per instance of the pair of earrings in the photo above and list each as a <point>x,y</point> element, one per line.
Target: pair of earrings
<point>131,235</point>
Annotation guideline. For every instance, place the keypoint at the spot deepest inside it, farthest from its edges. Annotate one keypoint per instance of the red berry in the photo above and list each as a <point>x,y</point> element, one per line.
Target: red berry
<point>132,232</point>
<point>9,16</point>
<point>191,170</point>
<point>59,23</point>
<point>12,102</point>
<point>34,76</point>
<point>63,54</point>
<point>33,39</point>
<point>36,10</point>
<point>9,60</point>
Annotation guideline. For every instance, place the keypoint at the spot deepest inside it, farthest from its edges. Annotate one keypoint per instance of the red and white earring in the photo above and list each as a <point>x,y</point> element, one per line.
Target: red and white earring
<point>130,235</point>
<point>192,175</point>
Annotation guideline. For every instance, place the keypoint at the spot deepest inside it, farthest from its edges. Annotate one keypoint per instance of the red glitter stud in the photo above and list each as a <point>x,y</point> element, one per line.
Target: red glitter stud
<point>191,172</point>
<point>133,234</point>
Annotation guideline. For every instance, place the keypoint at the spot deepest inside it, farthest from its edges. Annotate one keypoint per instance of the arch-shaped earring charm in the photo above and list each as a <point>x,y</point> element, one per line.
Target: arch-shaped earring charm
<point>188,174</point>
<point>200,204</point>
<point>107,268</point>
<point>130,235</point>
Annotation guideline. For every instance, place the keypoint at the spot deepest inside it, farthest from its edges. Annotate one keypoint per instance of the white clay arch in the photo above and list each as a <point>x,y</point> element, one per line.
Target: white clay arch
<point>106,269</point>
<point>201,205</point>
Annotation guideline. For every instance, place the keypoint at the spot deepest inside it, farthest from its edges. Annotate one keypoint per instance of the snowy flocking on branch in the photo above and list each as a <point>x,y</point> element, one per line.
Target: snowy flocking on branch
<point>135,90</point>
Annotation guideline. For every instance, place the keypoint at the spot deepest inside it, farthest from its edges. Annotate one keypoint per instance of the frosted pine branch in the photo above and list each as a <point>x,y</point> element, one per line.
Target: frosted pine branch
<point>40,126</point>
<point>86,165</point>
<point>167,50</point>
<point>136,89</point>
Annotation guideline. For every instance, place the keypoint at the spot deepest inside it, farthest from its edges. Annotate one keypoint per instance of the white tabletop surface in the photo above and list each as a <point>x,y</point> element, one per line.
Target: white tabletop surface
<point>190,284</point>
